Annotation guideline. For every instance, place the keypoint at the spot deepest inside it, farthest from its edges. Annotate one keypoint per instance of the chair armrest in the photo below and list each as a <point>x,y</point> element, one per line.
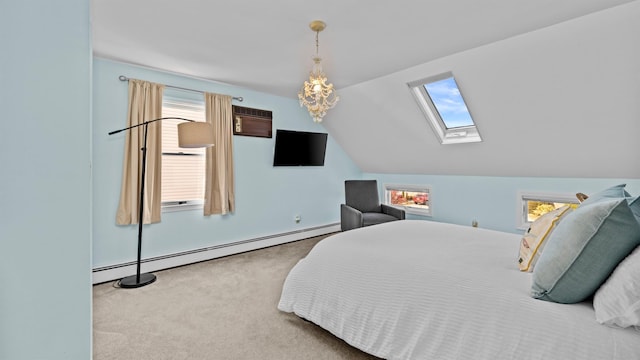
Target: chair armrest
<point>350,218</point>
<point>393,211</point>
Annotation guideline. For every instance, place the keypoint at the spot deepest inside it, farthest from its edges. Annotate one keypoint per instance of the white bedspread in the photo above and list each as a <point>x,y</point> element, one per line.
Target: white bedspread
<point>425,290</point>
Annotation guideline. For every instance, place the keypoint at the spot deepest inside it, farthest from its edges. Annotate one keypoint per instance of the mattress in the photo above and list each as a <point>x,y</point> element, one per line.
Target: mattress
<point>417,289</point>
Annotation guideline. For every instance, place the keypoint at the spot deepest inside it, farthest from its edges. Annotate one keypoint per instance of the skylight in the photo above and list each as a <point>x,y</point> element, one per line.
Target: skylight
<point>443,105</point>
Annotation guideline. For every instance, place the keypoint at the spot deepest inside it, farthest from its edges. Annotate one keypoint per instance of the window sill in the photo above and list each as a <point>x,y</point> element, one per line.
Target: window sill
<point>182,206</point>
<point>415,210</point>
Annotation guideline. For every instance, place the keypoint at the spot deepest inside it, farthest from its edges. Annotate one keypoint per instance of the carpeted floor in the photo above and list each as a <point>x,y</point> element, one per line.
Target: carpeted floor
<point>219,309</point>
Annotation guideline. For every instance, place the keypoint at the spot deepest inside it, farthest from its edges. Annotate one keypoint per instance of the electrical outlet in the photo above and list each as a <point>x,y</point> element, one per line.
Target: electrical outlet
<point>297,218</point>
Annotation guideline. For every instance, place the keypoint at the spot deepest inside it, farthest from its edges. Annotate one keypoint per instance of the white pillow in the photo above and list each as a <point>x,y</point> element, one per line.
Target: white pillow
<point>617,302</point>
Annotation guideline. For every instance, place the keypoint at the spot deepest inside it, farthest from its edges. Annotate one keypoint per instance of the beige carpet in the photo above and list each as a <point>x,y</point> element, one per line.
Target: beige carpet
<point>219,309</point>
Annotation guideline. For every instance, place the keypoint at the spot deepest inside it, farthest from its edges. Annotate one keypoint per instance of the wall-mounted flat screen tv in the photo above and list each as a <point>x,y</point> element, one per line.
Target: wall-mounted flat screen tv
<point>299,148</point>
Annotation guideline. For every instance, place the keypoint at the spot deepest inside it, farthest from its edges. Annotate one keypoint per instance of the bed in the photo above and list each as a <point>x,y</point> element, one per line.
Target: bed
<point>416,289</point>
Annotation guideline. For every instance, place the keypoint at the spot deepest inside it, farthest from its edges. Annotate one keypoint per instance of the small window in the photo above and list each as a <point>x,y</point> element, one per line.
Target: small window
<point>414,199</point>
<point>182,169</point>
<point>441,101</point>
<point>532,205</point>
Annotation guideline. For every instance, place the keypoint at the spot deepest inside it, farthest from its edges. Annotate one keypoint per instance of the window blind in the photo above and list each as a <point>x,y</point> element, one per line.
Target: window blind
<point>182,169</point>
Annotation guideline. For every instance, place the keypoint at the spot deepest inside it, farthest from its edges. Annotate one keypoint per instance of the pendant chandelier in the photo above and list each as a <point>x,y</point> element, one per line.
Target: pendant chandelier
<point>316,94</point>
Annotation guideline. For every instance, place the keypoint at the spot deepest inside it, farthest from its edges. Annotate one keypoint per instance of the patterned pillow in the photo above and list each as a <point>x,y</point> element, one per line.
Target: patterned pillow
<point>584,250</point>
<point>534,238</point>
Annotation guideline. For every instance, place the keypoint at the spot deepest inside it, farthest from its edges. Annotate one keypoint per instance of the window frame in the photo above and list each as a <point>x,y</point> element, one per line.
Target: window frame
<point>190,105</point>
<point>524,196</point>
<point>456,135</point>
<point>387,188</point>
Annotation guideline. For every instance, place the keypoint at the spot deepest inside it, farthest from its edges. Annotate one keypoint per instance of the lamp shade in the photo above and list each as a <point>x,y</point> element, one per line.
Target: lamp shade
<point>194,134</point>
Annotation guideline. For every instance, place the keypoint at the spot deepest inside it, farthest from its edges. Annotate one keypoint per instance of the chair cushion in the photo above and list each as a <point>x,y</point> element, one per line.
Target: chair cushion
<point>376,218</point>
<point>362,195</point>
<point>583,250</point>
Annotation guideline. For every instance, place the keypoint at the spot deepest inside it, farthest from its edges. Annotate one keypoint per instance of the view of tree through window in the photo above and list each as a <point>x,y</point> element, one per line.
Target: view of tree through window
<point>535,209</point>
<point>414,199</point>
<point>410,198</point>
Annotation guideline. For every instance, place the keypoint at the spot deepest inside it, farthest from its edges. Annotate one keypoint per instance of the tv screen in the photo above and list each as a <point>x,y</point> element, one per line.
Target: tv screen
<point>299,148</point>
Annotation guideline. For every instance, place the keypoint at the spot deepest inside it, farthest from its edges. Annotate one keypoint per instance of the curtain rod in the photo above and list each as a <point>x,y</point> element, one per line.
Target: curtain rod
<point>239,98</point>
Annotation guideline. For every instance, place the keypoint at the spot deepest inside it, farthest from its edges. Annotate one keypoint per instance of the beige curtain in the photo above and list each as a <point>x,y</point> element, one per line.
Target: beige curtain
<point>145,103</point>
<point>219,192</point>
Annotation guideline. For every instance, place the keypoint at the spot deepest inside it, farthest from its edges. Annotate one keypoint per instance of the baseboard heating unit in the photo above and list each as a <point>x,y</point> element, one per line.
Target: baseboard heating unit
<point>118,271</point>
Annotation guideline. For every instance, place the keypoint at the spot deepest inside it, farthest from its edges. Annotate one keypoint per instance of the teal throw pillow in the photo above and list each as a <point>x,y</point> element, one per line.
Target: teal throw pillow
<point>617,191</point>
<point>583,250</point>
<point>634,205</point>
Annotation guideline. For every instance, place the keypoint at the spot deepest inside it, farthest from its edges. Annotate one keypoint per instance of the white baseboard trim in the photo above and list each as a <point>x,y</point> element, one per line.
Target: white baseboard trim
<point>118,271</point>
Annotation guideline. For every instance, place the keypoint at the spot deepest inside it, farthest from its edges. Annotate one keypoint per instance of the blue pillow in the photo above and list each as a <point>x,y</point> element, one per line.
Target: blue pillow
<point>584,249</point>
<point>634,205</point>
<point>617,191</point>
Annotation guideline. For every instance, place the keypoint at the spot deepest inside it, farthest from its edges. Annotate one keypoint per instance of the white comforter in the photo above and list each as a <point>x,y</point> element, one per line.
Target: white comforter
<point>425,290</point>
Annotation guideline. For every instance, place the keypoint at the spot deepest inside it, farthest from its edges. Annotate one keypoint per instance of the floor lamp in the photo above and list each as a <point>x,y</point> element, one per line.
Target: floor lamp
<point>191,134</point>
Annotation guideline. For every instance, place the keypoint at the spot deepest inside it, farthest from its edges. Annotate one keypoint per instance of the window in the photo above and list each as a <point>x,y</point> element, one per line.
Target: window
<point>532,205</point>
<point>182,169</point>
<point>441,102</point>
<point>414,199</point>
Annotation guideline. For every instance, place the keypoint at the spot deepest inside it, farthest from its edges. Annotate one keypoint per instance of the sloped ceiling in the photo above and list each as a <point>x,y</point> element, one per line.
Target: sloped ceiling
<point>563,101</point>
<point>502,52</point>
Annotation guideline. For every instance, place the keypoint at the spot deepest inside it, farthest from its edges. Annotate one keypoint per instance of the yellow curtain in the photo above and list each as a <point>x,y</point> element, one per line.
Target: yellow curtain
<point>145,103</point>
<point>219,192</point>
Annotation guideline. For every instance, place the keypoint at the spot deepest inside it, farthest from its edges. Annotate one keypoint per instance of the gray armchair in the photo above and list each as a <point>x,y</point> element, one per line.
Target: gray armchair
<point>363,207</point>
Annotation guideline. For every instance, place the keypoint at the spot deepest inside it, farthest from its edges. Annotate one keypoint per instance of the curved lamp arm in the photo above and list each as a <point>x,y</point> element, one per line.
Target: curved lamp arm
<point>149,122</point>
<point>191,134</point>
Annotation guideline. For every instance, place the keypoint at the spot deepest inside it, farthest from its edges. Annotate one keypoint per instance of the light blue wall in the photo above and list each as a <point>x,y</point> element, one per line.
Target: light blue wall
<point>45,178</point>
<point>492,201</point>
<point>267,198</point>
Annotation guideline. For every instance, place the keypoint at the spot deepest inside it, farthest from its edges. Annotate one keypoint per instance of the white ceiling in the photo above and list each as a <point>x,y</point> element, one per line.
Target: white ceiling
<point>527,69</point>
<point>267,45</point>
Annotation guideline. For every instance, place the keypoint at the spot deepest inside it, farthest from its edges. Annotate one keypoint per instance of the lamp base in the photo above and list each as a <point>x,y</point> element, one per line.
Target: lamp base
<point>131,282</point>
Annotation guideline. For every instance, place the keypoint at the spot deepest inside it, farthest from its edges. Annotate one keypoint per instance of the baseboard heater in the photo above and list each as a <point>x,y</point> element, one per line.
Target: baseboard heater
<point>118,271</point>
